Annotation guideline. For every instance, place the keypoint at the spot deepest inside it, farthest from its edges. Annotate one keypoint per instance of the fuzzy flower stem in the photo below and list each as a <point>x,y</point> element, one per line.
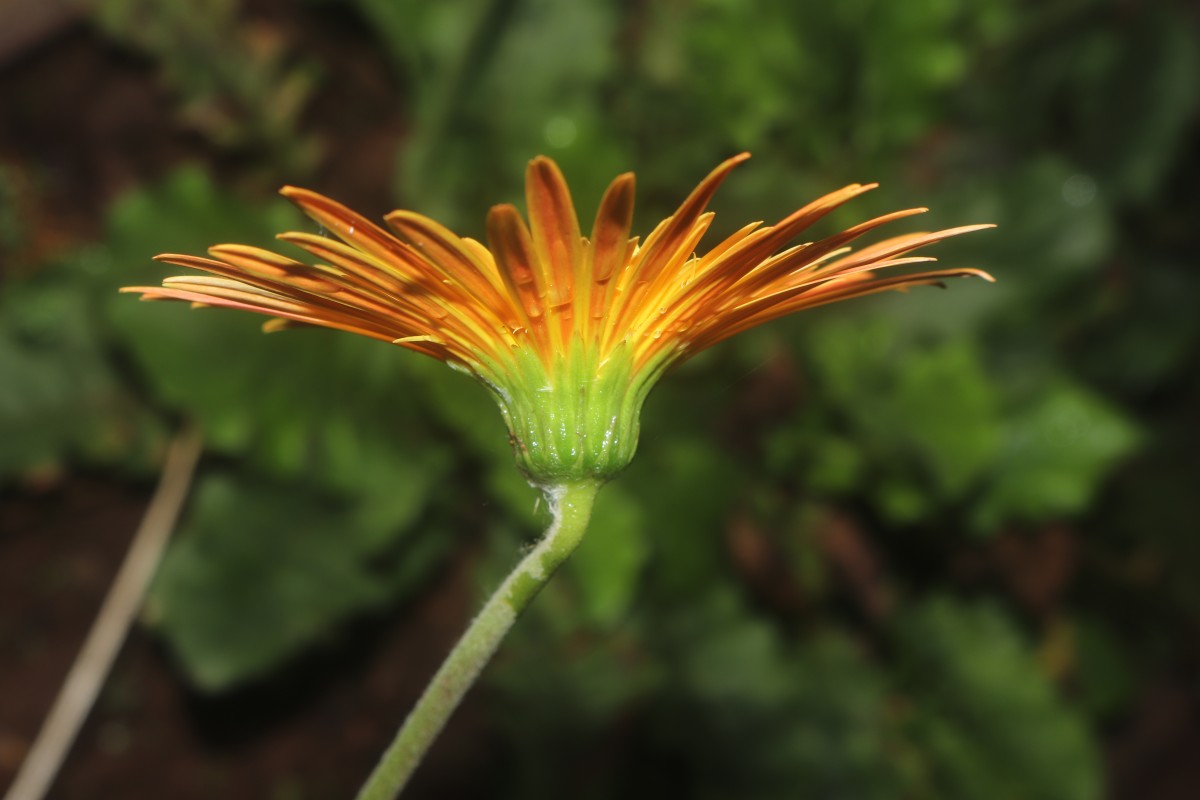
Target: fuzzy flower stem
<point>571,506</point>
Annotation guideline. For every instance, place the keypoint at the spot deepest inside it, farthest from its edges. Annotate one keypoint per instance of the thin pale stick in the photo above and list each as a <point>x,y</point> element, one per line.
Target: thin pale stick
<point>91,667</point>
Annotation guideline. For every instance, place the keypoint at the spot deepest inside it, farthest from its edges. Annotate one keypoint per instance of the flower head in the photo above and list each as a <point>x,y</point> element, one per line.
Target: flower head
<point>569,332</point>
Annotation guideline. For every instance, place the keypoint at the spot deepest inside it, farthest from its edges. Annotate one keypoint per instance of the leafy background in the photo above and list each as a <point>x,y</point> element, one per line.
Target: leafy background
<point>922,546</point>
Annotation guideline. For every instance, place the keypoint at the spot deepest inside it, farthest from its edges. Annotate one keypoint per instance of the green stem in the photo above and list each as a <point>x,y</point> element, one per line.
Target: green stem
<point>571,505</point>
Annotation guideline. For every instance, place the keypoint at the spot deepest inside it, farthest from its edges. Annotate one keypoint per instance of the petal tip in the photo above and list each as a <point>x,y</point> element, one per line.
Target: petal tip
<point>503,210</point>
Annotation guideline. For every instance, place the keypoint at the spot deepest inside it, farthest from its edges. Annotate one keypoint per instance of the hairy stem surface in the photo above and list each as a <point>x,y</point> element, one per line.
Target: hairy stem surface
<point>571,506</point>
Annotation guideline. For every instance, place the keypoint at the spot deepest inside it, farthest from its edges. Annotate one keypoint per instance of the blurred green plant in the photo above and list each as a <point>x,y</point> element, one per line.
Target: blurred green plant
<point>987,722</point>
<point>60,398</point>
<point>604,89</point>
<point>264,570</point>
<point>237,82</point>
<point>923,429</point>
<point>324,423</point>
<point>961,708</point>
<point>1063,397</point>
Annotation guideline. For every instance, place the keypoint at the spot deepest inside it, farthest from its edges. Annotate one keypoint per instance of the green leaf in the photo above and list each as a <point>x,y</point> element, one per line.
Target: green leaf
<point>987,722</point>
<point>683,523</point>
<point>186,212</point>
<point>609,561</point>
<point>336,458</point>
<point>59,397</point>
<point>1058,448</point>
<point>262,570</point>
<point>324,405</point>
<point>758,717</point>
<point>927,417</point>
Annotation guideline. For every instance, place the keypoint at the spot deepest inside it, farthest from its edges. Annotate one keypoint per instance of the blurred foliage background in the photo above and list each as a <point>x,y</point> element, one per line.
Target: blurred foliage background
<point>923,546</point>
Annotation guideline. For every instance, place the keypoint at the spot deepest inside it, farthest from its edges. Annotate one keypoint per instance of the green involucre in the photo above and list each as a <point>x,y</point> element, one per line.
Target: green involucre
<point>579,419</point>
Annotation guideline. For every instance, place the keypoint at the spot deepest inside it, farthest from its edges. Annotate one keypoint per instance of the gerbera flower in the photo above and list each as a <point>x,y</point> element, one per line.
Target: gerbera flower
<point>569,332</point>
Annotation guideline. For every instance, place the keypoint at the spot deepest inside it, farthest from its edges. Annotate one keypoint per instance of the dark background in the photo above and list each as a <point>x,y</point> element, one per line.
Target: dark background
<point>932,545</point>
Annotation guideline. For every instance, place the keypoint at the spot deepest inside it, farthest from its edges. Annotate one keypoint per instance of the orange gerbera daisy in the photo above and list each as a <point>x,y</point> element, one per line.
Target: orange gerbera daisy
<point>569,332</point>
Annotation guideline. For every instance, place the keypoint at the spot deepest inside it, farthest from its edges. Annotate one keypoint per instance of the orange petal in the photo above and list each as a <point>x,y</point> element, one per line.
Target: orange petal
<point>510,242</point>
<point>665,240</point>
<point>554,229</point>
